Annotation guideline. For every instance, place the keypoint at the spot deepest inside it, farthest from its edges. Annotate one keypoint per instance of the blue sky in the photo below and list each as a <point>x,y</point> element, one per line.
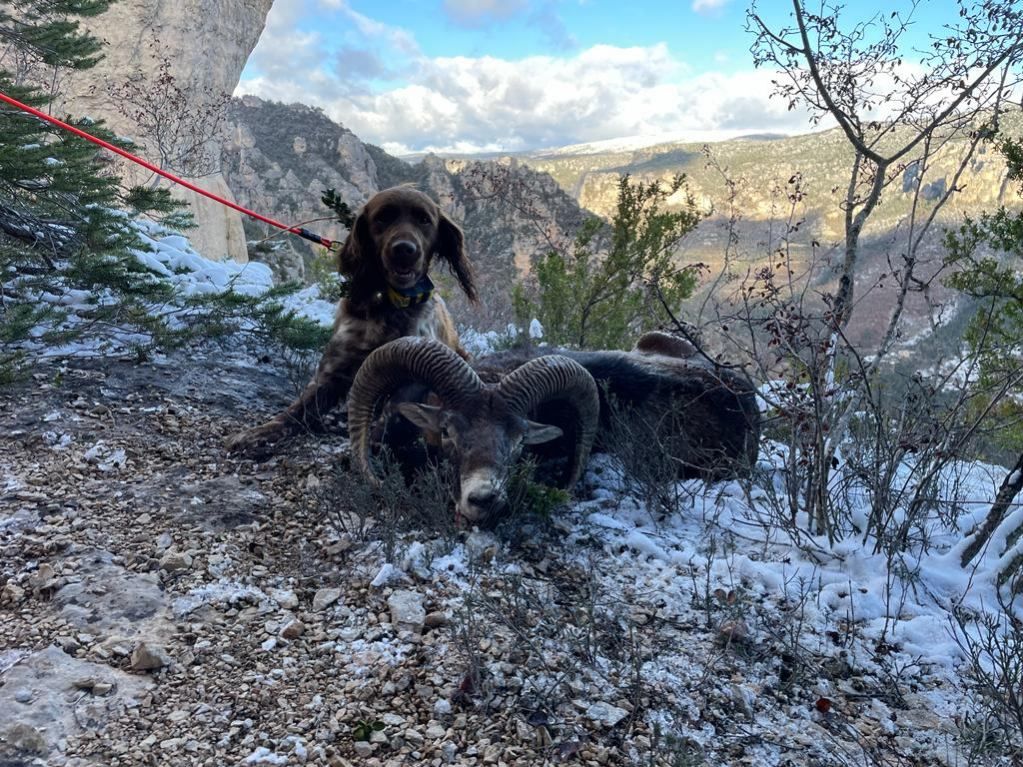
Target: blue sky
<point>510,75</point>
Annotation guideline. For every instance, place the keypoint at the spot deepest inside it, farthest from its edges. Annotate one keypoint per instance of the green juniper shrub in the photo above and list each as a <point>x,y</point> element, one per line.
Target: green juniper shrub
<point>68,241</point>
<point>621,277</point>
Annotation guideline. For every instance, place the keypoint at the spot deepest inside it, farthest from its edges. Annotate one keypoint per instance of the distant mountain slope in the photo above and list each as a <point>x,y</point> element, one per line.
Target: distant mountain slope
<point>824,159</point>
<point>764,169</point>
<point>279,158</point>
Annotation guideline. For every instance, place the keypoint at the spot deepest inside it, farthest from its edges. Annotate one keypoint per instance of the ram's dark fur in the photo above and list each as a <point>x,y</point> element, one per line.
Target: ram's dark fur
<point>704,416</point>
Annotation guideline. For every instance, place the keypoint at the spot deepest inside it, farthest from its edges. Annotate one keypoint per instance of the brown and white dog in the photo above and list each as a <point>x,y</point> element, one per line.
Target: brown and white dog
<point>386,258</point>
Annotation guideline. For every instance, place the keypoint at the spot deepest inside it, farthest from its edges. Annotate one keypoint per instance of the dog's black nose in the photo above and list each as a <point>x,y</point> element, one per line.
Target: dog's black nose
<point>405,251</point>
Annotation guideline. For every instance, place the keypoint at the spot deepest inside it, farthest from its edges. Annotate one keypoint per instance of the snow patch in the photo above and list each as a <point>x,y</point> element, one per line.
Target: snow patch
<point>223,592</point>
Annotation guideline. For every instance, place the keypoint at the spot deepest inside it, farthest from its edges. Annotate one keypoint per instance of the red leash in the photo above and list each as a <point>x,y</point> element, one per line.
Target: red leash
<point>301,232</point>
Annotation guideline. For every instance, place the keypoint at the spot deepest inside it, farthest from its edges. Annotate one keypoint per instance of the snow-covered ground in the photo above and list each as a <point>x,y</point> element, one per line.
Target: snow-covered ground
<point>727,549</point>
<point>170,256</point>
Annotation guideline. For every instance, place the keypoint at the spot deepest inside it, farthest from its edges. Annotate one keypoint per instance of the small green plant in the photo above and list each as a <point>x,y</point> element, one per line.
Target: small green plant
<point>526,495</point>
<point>621,277</point>
<point>323,270</point>
<point>363,729</point>
<point>333,200</point>
<point>323,273</point>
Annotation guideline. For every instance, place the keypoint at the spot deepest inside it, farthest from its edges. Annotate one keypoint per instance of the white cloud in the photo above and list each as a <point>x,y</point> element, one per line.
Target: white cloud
<point>401,39</point>
<point>487,103</point>
<point>708,6</point>
<point>477,13</point>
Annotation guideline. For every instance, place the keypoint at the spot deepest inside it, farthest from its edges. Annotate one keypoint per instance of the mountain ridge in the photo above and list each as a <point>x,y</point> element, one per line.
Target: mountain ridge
<point>278,158</point>
<point>514,208</point>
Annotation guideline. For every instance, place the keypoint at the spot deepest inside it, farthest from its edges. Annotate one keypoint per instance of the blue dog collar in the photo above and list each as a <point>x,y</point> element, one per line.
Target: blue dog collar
<point>418,294</point>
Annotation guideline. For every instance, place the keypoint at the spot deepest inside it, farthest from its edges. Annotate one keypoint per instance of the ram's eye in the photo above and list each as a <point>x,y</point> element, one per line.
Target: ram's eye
<point>445,432</point>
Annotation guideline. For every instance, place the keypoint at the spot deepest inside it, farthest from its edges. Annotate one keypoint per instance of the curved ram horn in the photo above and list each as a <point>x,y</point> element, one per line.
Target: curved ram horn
<point>559,378</point>
<point>396,364</point>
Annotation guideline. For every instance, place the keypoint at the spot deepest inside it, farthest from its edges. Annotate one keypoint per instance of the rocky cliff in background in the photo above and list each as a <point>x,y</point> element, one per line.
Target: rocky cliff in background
<point>206,46</point>
<point>279,158</point>
<point>766,171</point>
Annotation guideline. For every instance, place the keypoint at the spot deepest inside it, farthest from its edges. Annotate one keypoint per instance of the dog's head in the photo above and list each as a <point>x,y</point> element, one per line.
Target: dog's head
<point>395,237</point>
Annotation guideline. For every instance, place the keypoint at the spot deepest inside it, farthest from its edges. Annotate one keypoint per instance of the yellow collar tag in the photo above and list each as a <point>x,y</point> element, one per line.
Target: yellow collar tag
<point>420,293</point>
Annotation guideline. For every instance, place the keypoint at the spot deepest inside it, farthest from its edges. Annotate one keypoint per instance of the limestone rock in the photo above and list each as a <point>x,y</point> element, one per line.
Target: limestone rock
<point>324,598</point>
<point>42,579</point>
<point>436,619</point>
<point>26,739</point>
<point>268,174</point>
<point>407,611</point>
<point>148,657</point>
<point>173,561</point>
<point>110,601</point>
<point>606,714</point>
<point>11,594</point>
<point>32,726</point>
<point>206,52</point>
<point>285,598</point>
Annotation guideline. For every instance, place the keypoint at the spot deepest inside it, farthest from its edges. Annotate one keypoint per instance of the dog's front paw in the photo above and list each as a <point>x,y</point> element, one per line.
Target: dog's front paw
<point>258,442</point>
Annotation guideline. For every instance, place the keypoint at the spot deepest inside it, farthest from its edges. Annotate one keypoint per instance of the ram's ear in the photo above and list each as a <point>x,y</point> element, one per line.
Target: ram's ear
<point>538,433</point>
<point>426,417</point>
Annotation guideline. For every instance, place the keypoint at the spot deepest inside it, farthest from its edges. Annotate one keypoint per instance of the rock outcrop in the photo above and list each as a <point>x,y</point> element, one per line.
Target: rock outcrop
<point>204,47</point>
<point>280,158</point>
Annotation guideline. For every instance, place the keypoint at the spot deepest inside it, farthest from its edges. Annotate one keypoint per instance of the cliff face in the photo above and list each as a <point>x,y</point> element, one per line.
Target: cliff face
<point>202,45</point>
<point>762,166</point>
<point>279,158</point>
<point>769,173</point>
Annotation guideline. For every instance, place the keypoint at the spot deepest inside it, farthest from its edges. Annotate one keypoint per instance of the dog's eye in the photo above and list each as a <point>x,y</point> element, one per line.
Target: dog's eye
<point>385,216</point>
<point>424,218</point>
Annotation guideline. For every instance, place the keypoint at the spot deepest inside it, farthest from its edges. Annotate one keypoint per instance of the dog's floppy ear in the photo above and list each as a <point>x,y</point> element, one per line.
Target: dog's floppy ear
<point>359,262</point>
<point>451,247</point>
<point>356,248</point>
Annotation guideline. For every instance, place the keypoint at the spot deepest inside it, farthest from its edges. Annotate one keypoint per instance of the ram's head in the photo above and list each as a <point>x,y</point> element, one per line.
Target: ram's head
<point>479,428</point>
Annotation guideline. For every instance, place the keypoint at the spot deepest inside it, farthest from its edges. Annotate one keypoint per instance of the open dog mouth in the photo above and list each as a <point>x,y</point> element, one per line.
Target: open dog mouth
<point>404,278</point>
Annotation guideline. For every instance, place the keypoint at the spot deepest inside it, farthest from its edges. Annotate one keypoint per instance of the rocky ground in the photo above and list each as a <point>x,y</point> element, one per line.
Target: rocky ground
<point>164,604</point>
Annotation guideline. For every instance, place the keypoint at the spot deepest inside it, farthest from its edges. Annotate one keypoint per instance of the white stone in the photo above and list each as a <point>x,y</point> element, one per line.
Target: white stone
<point>49,716</point>
<point>606,714</point>
<point>363,749</point>
<point>388,574</point>
<point>285,598</point>
<point>435,731</point>
<point>324,598</point>
<point>407,611</point>
<point>173,561</point>
<point>146,657</point>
